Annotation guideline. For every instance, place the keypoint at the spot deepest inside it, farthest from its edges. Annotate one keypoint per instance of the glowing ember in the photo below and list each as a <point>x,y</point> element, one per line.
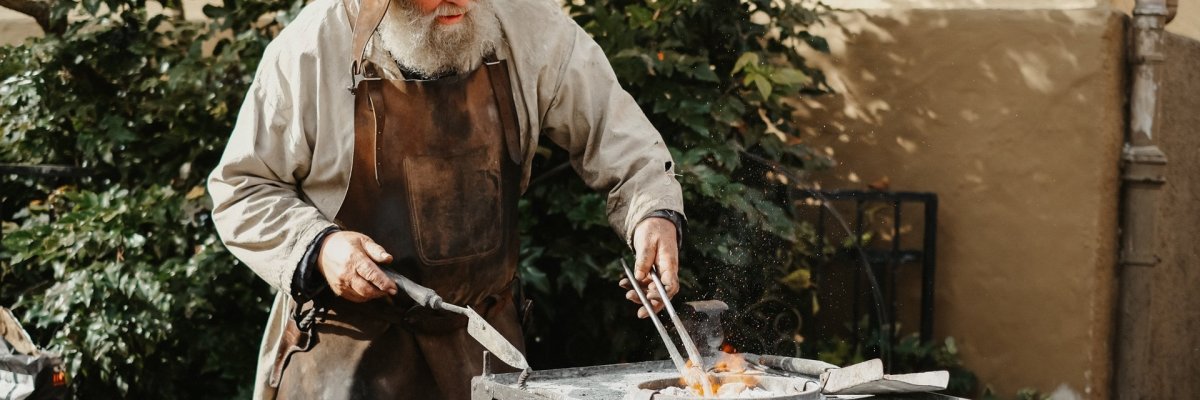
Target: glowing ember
<point>728,391</point>
<point>732,386</point>
<point>727,362</point>
<point>701,382</point>
<point>728,348</point>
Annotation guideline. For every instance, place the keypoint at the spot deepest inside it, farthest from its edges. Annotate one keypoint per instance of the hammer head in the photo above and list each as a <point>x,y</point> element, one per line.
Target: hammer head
<point>710,307</point>
<point>703,321</point>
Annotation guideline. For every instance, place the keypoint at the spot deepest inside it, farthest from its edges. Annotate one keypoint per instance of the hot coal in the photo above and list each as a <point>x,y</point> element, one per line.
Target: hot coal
<point>727,391</point>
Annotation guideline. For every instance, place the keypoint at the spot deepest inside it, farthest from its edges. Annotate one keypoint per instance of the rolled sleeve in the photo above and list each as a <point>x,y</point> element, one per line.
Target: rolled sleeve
<point>612,144</point>
<point>258,208</point>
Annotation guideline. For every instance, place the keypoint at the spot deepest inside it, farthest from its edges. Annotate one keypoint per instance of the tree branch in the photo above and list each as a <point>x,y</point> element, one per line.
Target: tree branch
<point>39,10</point>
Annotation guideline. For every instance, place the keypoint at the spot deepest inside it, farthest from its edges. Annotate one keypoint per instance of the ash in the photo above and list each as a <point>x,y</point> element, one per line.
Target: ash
<point>727,391</point>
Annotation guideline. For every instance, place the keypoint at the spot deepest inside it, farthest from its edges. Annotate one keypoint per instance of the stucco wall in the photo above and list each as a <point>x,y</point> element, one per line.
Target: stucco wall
<point>1015,118</point>
<point>1186,23</point>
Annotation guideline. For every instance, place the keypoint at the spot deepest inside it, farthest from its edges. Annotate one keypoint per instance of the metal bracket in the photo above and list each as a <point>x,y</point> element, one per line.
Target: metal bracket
<point>357,76</point>
<point>1139,261</point>
<point>356,79</point>
<point>1144,165</point>
<point>1143,175</point>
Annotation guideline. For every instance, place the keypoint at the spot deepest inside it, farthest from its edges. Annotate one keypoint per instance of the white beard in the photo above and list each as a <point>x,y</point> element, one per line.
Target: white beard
<point>425,47</point>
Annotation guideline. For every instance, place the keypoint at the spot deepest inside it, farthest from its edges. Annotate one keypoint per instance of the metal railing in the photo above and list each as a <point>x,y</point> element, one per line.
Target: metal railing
<point>880,264</point>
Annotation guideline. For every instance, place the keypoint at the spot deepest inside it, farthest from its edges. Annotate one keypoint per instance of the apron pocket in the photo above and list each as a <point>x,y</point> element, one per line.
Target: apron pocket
<point>454,202</point>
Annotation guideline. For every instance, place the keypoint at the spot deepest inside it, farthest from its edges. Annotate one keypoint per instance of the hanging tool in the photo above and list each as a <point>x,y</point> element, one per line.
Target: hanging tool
<point>688,344</point>
<point>477,327</point>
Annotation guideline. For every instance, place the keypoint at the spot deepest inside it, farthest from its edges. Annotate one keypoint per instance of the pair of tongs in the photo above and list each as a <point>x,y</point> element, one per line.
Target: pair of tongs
<point>688,344</point>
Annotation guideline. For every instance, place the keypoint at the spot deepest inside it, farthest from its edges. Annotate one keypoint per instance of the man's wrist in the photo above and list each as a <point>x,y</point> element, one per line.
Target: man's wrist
<point>307,281</point>
<point>675,218</point>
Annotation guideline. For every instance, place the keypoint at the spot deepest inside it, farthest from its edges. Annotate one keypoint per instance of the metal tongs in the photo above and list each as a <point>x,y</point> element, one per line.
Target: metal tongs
<point>688,344</point>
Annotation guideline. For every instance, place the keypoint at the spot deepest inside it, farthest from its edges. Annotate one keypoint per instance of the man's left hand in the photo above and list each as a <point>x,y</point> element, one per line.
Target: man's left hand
<point>655,243</point>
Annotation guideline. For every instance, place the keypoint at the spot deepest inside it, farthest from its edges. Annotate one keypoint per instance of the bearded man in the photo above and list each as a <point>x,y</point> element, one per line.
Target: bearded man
<point>398,134</point>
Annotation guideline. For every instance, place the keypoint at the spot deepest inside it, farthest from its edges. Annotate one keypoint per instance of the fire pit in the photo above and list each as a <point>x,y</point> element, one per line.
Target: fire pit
<point>633,381</point>
<point>730,375</point>
<point>641,380</point>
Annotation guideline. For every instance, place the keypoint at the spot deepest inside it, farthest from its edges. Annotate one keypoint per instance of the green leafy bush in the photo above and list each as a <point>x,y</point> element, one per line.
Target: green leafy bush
<point>141,297</point>
<point>121,270</point>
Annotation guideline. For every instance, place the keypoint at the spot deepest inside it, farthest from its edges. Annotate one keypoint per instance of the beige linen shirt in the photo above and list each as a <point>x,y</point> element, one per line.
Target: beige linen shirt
<point>285,171</point>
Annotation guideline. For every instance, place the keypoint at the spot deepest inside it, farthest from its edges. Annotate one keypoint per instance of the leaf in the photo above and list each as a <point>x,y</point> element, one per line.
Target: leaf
<point>746,59</point>
<point>195,193</point>
<point>816,304</point>
<point>91,6</point>
<point>789,76</point>
<point>536,277</point>
<point>798,280</point>
<point>705,73</point>
<point>816,42</point>
<point>215,12</point>
<point>639,16</point>
<point>763,85</point>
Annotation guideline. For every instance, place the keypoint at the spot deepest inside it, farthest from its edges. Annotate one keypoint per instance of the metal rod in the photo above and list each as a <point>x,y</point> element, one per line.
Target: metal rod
<point>813,329</point>
<point>858,233</point>
<point>928,268</point>
<point>693,353</point>
<point>893,267</point>
<point>688,344</point>
<point>662,330</point>
<point>1143,176</point>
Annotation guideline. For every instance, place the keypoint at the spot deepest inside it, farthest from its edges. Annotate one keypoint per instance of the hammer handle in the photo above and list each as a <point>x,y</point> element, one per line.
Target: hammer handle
<point>422,295</point>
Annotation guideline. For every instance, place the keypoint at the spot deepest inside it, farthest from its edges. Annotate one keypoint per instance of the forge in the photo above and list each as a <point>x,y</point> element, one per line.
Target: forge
<point>728,375</point>
<point>641,381</point>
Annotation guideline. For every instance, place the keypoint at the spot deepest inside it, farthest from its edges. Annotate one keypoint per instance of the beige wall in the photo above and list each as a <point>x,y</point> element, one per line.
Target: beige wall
<point>1186,23</point>
<point>1015,118</point>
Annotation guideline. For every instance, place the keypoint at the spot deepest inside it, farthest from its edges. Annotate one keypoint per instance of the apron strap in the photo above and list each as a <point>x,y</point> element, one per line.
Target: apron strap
<point>502,90</point>
<point>378,111</point>
<point>370,15</point>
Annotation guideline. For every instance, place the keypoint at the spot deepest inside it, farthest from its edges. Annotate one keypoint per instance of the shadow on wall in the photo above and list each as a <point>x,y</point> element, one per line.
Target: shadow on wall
<point>959,69</point>
<point>1015,118</point>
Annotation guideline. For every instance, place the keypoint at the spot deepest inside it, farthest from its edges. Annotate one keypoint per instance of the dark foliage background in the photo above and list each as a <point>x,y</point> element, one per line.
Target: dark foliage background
<point>715,83</point>
<point>121,271</point>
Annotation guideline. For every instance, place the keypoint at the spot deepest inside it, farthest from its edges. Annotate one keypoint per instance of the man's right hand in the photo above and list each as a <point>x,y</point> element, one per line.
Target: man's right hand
<point>350,263</point>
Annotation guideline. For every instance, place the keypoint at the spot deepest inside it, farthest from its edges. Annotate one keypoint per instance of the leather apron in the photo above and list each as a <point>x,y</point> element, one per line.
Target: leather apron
<point>435,181</point>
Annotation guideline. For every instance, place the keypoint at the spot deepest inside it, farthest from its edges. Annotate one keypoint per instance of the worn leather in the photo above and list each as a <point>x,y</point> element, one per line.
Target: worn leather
<point>295,340</point>
<point>369,16</point>
<point>435,181</point>
<point>378,351</point>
